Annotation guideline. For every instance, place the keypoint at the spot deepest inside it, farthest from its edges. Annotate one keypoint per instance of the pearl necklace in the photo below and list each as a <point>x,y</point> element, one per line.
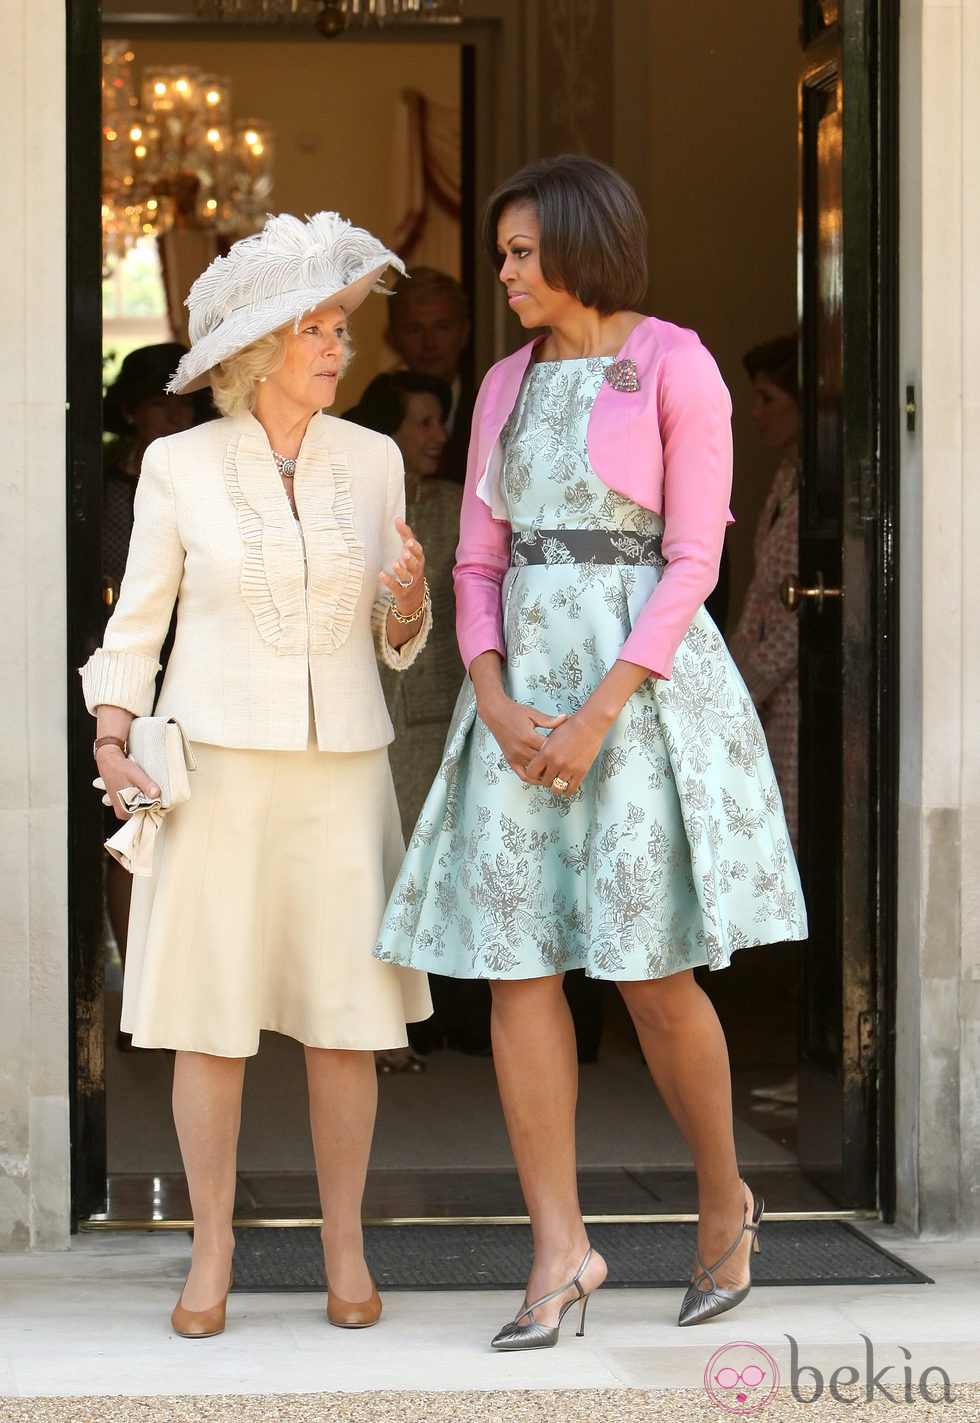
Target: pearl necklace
<point>286,467</point>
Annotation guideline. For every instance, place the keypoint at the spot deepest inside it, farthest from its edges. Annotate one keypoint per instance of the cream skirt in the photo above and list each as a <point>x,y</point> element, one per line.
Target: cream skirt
<point>267,891</point>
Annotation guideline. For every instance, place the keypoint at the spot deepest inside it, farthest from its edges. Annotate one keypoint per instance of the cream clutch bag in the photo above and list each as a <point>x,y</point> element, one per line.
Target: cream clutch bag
<point>160,747</point>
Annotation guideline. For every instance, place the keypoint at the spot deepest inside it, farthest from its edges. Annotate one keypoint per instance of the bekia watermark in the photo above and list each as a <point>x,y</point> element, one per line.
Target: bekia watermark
<point>932,1386</point>
<point>743,1377</point>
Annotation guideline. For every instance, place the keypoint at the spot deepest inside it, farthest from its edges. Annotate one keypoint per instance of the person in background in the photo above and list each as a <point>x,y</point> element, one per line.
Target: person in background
<point>766,641</point>
<point>136,410</point>
<point>412,409</point>
<point>605,800</point>
<point>428,329</point>
<point>278,532</point>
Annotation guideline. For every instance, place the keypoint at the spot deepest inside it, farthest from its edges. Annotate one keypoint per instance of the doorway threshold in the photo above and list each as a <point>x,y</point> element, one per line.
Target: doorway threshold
<point>465,1194</point>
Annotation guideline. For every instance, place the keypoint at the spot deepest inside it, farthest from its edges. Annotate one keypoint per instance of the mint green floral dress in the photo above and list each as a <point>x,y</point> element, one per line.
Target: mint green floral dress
<point>674,851</point>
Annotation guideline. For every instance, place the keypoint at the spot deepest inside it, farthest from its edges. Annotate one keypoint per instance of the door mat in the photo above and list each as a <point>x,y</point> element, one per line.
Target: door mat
<point>497,1257</point>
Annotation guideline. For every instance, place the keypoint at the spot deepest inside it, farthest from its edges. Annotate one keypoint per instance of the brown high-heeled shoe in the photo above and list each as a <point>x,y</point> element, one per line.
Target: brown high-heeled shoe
<point>200,1323</point>
<point>353,1314</point>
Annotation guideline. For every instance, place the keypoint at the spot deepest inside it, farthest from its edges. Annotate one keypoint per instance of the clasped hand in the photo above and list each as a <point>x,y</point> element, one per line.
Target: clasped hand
<point>565,753</point>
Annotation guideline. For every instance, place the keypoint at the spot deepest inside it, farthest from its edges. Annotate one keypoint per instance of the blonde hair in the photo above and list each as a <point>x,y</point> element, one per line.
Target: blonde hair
<point>234,382</point>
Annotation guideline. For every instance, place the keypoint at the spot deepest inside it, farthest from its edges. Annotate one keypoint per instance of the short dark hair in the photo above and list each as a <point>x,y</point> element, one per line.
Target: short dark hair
<point>384,401</point>
<point>593,232</point>
<point>779,360</point>
<point>420,284</point>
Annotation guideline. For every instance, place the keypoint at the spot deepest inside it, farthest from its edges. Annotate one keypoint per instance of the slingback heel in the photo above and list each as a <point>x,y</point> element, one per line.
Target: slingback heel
<point>532,1335</point>
<point>700,1305</point>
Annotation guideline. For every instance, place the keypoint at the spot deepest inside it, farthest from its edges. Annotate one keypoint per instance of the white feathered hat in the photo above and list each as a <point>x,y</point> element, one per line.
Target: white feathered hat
<point>287,269</point>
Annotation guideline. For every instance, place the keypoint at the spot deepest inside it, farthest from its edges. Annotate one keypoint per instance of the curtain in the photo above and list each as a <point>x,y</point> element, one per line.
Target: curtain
<point>426,182</point>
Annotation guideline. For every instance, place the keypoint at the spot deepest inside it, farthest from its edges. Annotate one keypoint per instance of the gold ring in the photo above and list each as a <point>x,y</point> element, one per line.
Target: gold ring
<point>559,785</point>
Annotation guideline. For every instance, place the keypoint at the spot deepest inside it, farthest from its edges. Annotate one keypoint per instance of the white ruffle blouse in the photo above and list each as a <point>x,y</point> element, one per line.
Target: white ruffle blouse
<point>269,606</point>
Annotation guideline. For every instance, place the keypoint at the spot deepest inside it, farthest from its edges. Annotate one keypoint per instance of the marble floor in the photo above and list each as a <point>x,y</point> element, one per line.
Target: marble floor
<point>93,1320</point>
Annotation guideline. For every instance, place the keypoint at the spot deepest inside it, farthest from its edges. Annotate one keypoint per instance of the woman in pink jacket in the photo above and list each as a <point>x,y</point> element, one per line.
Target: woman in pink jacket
<point>605,800</point>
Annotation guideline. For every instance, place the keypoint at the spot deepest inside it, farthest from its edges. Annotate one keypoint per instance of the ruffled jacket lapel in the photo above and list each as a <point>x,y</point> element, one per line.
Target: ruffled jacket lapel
<point>284,598</point>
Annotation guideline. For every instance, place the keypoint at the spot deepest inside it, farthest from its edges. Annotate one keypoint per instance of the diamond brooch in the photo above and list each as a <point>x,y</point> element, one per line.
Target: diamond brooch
<point>622,375</point>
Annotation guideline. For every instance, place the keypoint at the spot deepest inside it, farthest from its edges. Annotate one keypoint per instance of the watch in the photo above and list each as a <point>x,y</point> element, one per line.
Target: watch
<point>110,741</point>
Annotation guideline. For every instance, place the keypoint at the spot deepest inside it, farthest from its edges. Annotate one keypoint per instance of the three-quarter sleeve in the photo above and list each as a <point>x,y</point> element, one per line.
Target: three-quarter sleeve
<point>694,411</point>
<point>123,670</point>
<point>482,559</point>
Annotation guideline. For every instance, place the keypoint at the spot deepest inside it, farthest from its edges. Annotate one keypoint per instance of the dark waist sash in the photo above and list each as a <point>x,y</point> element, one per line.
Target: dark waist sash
<point>586,546</point>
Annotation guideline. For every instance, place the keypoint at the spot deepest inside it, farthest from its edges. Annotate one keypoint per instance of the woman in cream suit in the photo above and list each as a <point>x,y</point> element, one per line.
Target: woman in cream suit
<point>278,532</point>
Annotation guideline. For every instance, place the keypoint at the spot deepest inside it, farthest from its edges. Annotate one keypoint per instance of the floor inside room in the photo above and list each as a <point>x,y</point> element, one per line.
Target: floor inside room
<point>440,1146</point>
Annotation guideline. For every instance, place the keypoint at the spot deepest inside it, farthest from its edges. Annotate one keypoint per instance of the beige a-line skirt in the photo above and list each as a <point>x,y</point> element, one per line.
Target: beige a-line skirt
<point>267,891</point>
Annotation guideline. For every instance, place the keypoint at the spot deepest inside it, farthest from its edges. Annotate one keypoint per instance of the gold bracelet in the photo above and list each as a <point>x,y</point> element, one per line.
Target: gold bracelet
<point>406,619</point>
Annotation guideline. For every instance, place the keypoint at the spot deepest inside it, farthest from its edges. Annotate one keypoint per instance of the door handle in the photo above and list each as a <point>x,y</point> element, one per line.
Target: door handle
<point>793,595</point>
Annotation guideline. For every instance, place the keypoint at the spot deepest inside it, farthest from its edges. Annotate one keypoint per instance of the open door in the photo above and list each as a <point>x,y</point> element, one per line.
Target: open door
<point>843,591</point>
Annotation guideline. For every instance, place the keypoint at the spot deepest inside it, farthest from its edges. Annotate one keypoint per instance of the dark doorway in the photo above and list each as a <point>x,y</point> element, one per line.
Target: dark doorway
<point>839,1140</point>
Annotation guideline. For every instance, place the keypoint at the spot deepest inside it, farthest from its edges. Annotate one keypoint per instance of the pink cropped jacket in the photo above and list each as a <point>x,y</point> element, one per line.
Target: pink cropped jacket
<point>667,445</point>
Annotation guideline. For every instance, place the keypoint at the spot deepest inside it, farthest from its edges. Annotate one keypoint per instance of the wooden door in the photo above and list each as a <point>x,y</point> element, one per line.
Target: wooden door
<point>844,591</point>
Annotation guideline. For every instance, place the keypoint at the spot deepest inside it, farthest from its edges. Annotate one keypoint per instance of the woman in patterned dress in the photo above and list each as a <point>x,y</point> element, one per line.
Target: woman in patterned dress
<point>605,799</point>
<point>766,640</point>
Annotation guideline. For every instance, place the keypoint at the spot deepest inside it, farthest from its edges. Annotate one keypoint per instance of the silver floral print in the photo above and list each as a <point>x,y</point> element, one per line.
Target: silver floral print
<point>674,851</point>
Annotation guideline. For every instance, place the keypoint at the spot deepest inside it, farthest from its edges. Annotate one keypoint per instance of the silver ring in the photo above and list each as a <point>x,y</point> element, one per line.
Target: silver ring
<point>405,585</point>
<point>560,785</point>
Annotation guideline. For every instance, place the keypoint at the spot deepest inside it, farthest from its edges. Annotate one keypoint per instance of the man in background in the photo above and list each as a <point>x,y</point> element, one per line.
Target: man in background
<point>429,327</point>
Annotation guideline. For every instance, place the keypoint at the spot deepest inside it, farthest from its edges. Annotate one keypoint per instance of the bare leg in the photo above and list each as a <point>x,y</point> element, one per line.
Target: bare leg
<point>207,1103</point>
<point>684,1047</point>
<point>343,1090</point>
<point>537,1073</point>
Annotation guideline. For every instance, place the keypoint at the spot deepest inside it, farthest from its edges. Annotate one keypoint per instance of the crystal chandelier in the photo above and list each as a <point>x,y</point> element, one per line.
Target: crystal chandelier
<point>171,155</point>
<point>332,17</point>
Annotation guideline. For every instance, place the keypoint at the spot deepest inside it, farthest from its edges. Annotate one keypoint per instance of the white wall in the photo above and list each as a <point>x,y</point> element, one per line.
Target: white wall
<point>938,1046</point>
<point>33,808</point>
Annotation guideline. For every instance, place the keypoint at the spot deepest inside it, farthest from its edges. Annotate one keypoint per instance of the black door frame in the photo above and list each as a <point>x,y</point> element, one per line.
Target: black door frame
<point>889,412</point>
<point>853,45</point>
<point>85,619</point>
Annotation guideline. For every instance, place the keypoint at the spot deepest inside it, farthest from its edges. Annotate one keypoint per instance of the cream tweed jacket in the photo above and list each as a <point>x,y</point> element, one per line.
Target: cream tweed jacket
<point>268,606</point>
